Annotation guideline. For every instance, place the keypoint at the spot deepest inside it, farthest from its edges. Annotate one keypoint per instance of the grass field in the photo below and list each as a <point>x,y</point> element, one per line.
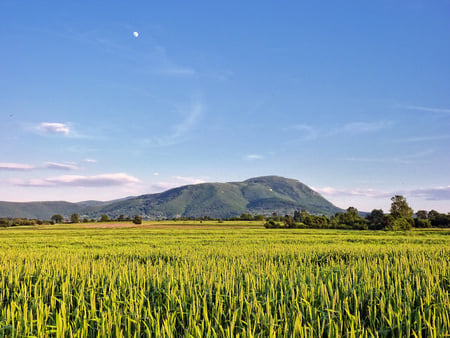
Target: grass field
<point>210,279</point>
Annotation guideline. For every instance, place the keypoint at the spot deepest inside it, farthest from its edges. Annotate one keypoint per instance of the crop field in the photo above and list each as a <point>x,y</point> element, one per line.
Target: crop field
<point>213,280</point>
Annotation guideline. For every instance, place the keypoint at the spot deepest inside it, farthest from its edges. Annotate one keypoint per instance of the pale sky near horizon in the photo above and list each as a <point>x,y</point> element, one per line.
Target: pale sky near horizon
<point>107,99</point>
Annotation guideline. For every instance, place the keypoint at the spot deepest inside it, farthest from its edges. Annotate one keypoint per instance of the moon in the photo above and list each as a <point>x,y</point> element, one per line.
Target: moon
<point>135,34</point>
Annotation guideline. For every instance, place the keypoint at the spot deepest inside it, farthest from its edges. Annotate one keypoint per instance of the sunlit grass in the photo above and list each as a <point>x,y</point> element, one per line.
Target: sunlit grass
<point>75,281</point>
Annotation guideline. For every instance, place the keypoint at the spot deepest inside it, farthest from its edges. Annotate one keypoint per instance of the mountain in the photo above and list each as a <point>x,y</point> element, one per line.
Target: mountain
<point>39,210</point>
<point>261,195</point>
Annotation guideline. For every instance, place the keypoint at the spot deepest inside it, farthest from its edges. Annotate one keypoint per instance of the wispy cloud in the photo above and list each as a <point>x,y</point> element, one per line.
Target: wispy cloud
<point>425,138</point>
<point>306,131</point>
<point>166,66</point>
<point>374,193</point>
<point>54,128</point>
<point>192,116</point>
<point>16,166</point>
<point>434,193</point>
<point>405,159</point>
<point>180,131</point>
<point>46,165</point>
<point>377,159</point>
<point>103,180</point>
<point>426,109</point>
<point>174,182</point>
<point>363,127</point>
<point>90,160</point>
<point>60,166</point>
<point>176,71</point>
<point>253,157</point>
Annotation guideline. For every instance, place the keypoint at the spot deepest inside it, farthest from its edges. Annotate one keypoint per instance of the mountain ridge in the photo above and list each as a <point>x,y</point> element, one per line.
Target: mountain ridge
<point>259,195</point>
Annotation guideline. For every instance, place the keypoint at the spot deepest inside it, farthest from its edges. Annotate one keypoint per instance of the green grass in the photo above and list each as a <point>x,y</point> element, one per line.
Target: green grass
<point>222,281</point>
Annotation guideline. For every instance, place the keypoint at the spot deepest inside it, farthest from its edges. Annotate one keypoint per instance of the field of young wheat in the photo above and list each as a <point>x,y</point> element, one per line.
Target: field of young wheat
<point>223,282</point>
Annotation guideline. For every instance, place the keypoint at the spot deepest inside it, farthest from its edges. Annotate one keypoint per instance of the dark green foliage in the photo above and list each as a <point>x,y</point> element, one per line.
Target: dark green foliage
<point>422,223</point>
<point>137,219</point>
<point>376,219</point>
<point>349,220</point>
<point>11,222</point>
<point>400,208</point>
<point>398,224</point>
<point>75,218</point>
<point>439,220</point>
<point>57,218</point>
<point>104,218</point>
<point>259,218</point>
<point>271,224</point>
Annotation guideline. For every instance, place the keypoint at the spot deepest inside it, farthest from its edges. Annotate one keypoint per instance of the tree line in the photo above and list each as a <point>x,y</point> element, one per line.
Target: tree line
<point>400,217</point>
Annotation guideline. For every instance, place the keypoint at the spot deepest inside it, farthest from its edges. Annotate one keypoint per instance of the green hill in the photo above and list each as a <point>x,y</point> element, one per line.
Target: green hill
<point>39,210</point>
<point>261,195</point>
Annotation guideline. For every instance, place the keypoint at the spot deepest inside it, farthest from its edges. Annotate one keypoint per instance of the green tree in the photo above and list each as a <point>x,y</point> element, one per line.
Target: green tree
<point>104,218</point>
<point>300,216</point>
<point>137,219</point>
<point>246,217</point>
<point>74,218</point>
<point>400,208</point>
<point>397,224</point>
<point>422,214</point>
<point>57,218</point>
<point>259,218</point>
<point>376,219</point>
<point>352,213</point>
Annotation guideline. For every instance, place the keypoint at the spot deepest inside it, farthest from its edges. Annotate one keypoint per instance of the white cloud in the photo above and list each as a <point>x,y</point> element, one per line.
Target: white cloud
<point>426,109</point>
<point>439,193</point>
<point>189,180</point>
<point>103,180</point>
<point>364,127</point>
<point>404,159</point>
<point>176,181</point>
<point>307,132</point>
<point>54,128</point>
<point>46,165</point>
<point>179,131</point>
<point>434,193</point>
<point>377,159</point>
<point>193,114</point>
<point>15,166</point>
<point>253,157</point>
<point>90,160</point>
<point>168,67</point>
<point>329,191</point>
<point>177,71</point>
<point>60,166</point>
<point>425,138</point>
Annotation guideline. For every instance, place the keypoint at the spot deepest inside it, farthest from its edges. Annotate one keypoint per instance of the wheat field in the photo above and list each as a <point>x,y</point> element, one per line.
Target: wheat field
<point>223,282</point>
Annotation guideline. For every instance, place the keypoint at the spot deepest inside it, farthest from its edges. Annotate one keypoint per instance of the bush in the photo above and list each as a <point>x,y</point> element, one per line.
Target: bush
<point>271,224</point>
<point>422,223</point>
<point>399,224</point>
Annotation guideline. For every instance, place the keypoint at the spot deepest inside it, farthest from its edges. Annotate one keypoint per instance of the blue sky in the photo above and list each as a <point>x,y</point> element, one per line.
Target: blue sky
<point>349,97</point>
